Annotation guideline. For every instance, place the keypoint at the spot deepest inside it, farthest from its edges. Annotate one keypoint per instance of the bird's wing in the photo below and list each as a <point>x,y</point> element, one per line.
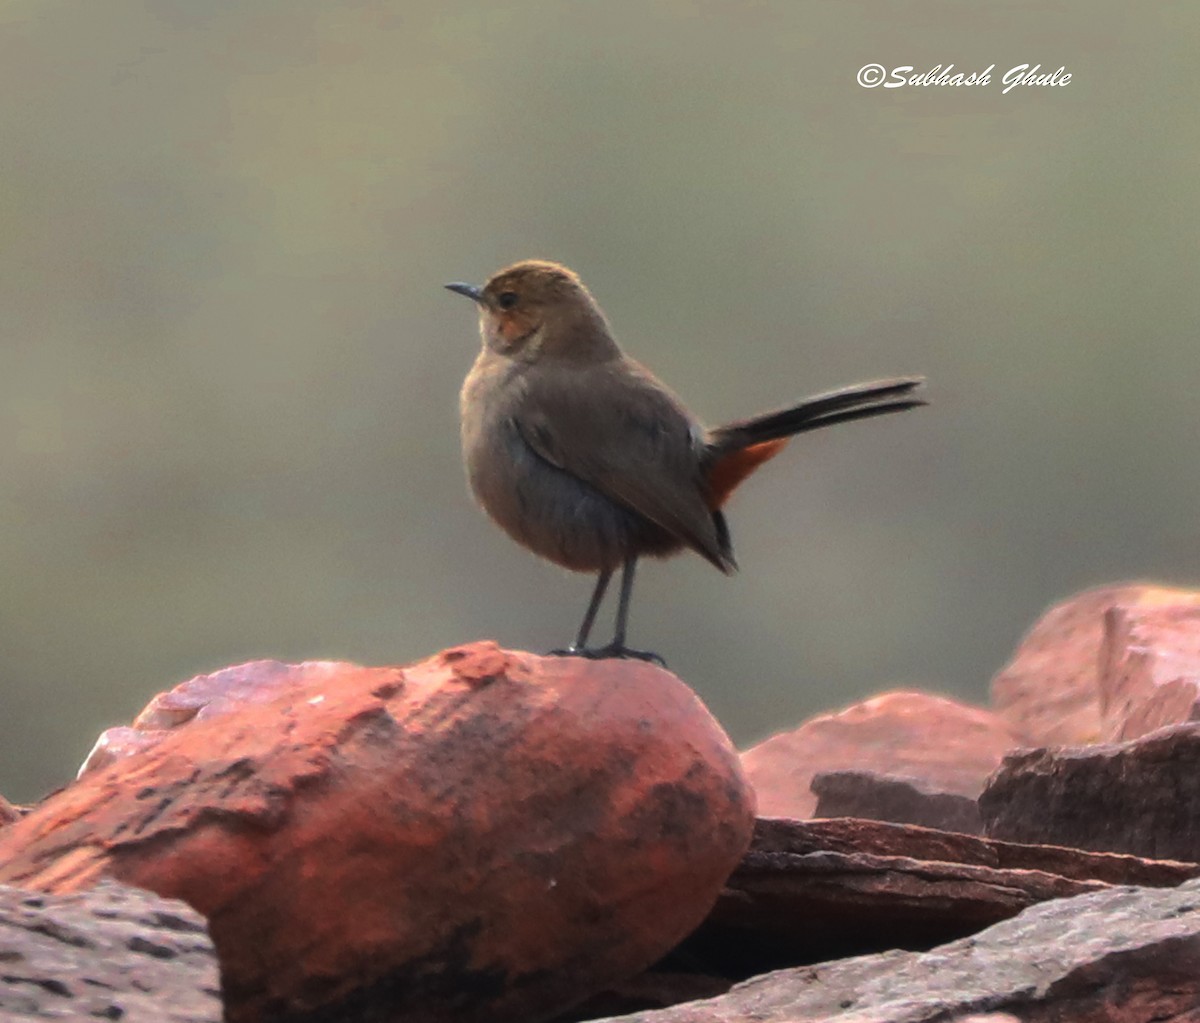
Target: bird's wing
<point>617,429</point>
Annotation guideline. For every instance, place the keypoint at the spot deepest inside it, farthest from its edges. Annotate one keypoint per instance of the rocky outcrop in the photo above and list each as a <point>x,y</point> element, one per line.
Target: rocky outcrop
<point>945,746</point>
<point>812,891</point>
<point>1111,663</point>
<point>484,835</point>
<point>492,835</point>
<point>808,891</point>
<point>111,953</point>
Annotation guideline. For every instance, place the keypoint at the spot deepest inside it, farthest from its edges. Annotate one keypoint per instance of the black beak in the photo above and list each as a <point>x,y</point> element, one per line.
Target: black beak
<point>473,293</point>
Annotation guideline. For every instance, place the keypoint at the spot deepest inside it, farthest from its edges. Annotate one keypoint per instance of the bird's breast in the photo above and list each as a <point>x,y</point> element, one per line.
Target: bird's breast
<point>540,505</point>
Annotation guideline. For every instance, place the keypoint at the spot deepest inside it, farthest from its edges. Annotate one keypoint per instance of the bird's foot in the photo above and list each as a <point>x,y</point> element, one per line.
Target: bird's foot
<point>601,653</point>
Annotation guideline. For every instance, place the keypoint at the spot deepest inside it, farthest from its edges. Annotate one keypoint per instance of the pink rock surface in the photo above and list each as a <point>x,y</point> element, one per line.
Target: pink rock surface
<point>1050,692</point>
<point>1149,668</point>
<point>203,698</point>
<point>947,745</point>
<point>484,835</point>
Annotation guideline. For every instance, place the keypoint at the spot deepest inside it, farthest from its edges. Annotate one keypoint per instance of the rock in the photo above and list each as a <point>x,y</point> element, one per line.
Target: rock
<point>205,697</point>
<point>1140,797</point>
<point>1120,955</point>
<point>987,1017</point>
<point>1149,668</point>
<point>947,746</point>
<point>1050,691</point>
<point>484,835</point>
<point>886,797</point>
<point>652,990</point>
<point>114,952</point>
<point>877,838</point>
<point>810,891</point>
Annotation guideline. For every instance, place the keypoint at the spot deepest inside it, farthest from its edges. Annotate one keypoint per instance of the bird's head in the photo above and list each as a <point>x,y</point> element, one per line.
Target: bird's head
<point>536,308</point>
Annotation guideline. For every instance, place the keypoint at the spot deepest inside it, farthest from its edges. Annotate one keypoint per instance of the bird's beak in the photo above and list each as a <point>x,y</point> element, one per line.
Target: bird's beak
<point>470,290</point>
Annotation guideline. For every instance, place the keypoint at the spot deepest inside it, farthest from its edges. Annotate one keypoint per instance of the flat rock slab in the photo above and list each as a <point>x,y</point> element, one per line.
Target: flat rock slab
<point>811,891</point>
<point>1140,797</point>
<point>779,835</point>
<point>113,953</point>
<point>1121,955</point>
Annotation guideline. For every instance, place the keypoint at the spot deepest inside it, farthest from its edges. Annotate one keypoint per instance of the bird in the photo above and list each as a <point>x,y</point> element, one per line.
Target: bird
<point>583,456</point>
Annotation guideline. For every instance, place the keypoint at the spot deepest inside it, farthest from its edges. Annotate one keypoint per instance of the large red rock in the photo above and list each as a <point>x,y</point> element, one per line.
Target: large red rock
<point>947,746</point>
<point>484,835</point>
<point>1149,668</point>
<point>1051,690</point>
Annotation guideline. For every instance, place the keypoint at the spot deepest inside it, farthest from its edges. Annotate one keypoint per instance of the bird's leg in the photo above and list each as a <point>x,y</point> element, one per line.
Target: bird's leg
<point>579,647</point>
<point>623,604</point>
<point>617,647</point>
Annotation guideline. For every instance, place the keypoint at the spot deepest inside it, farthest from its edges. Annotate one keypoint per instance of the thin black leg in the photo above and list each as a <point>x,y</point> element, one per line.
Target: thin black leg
<point>589,616</point>
<point>579,647</point>
<point>623,603</point>
<point>617,647</point>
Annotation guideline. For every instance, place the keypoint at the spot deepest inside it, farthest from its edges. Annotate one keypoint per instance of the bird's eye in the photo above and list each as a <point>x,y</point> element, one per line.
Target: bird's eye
<point>507,299</point>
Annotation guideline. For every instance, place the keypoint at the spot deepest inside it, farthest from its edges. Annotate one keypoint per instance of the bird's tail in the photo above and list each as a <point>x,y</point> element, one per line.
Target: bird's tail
<point>736,449</point>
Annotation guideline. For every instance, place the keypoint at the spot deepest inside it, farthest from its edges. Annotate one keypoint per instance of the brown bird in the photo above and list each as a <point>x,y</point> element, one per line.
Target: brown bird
<point>580,454</point>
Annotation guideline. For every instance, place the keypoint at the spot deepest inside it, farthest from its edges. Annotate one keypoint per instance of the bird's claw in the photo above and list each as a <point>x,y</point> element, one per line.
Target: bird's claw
<point>617,650</point>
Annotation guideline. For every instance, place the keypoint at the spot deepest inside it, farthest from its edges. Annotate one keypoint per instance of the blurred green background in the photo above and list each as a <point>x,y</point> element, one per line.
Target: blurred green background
<point>230,373</point>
